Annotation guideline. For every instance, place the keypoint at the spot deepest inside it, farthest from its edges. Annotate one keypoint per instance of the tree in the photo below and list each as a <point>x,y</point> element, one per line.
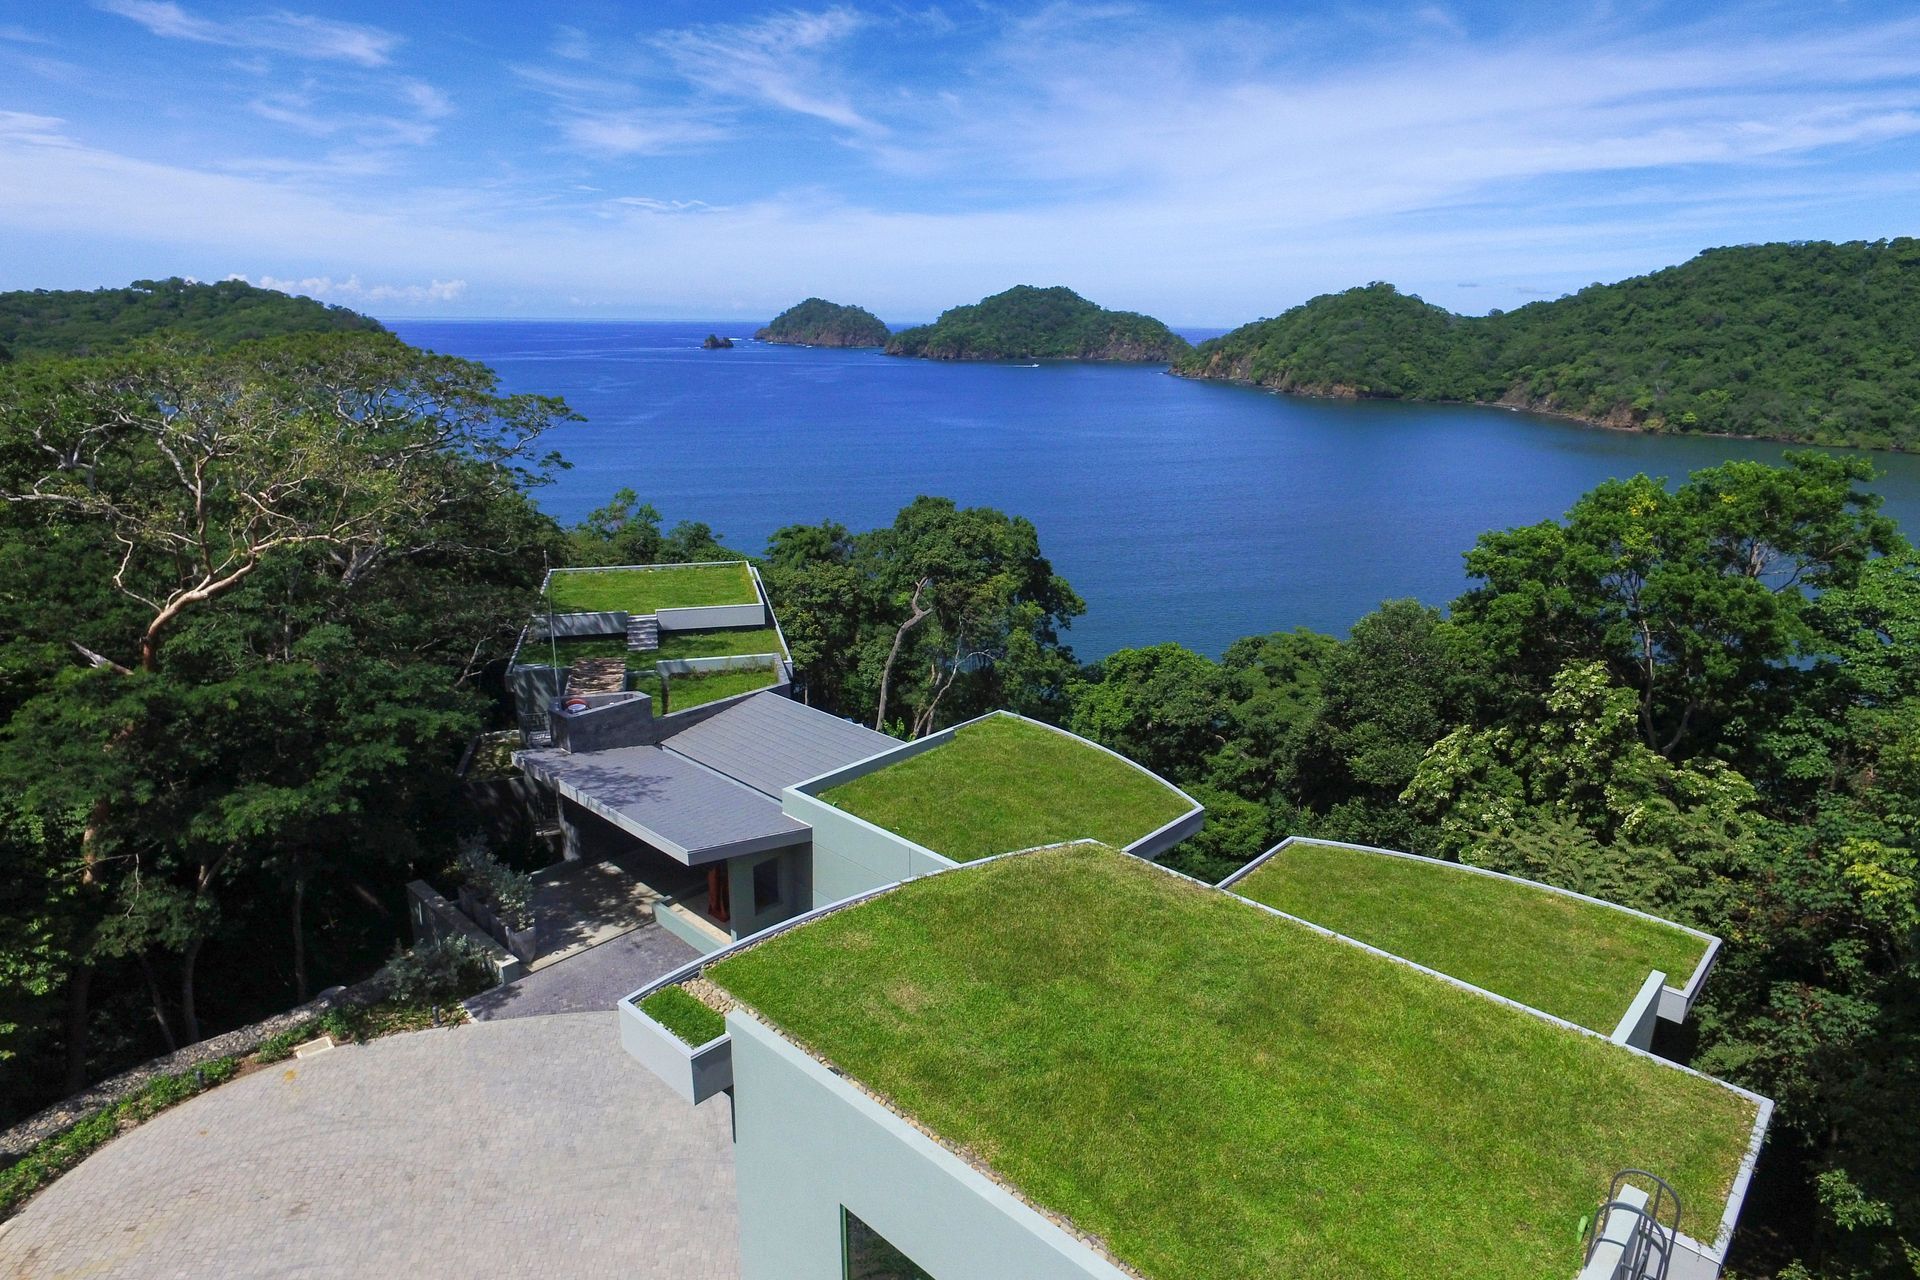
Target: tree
<point>203,468</point>
<point>1695,599</point>
<point>308,549</point>
<point>972,602</point>
<point>1165,707</point>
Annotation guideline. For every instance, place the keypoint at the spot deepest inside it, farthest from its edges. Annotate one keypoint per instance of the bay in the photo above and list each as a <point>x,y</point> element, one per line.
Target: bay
<point>1184,511</point>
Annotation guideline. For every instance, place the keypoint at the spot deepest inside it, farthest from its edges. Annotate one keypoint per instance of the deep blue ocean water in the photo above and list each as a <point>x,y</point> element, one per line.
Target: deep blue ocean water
<point>1180,510</point>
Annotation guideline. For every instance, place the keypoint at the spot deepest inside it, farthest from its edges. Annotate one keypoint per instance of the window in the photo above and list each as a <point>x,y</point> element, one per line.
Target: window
<point>766,886</point>
<point>870,1257</point>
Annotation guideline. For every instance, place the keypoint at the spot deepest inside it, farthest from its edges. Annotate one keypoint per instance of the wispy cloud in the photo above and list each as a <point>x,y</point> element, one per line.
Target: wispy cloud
<point>351,291</point>
<point>777,61</point>
<point>299,34</point>
<point>636,131</point>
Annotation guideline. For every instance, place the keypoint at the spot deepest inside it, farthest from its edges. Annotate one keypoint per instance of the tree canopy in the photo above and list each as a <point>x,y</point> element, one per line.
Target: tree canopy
<point>1803,341</point>
<point>1027,323</point>
<point>248,597</point>
<point>819,323</point>
<point>80,322</point>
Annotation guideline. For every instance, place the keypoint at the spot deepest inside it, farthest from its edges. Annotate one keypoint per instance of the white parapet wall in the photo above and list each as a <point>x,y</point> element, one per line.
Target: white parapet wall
<point>809,1147</point>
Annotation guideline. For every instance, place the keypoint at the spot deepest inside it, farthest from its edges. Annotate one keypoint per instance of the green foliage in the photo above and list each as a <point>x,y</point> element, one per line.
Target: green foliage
<point>52,1157</point>
<point>684,1014</point>
<point>1026,323</point>
<point>947,613</point>
<point>508,893</point>
<point>51,322</point>
<point>819,323</point>
<point>443,971</point>
<point>1803,341</point>
<point>627,531</point>
<point>233,692</point>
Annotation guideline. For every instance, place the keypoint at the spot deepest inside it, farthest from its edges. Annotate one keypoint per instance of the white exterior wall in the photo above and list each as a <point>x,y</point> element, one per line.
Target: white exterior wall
<point>807,1143</point>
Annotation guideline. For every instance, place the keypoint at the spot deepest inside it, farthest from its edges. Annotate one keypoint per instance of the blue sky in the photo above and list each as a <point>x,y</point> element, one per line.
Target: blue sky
<point>1208,163</point>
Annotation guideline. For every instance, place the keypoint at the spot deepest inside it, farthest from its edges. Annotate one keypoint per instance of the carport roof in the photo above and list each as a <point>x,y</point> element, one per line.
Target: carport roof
<point>674,803</point>
<point>770,742</point>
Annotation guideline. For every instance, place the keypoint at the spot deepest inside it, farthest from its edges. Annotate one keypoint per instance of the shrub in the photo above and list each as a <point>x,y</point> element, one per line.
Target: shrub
<point>443,971</point>
<point>51,1157</point>
<point>508,892</point>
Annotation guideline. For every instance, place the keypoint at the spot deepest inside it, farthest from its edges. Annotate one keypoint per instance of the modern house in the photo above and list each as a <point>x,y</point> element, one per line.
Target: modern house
<point>1067,1063</point>
<point>782,808</point>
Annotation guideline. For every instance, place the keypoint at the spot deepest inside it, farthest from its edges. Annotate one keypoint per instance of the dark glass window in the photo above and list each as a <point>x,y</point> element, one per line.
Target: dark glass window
<point>870,1257</point>
<point>766,886</point>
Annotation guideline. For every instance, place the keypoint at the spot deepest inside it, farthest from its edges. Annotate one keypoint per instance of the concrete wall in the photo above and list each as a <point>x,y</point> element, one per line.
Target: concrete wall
<point>1636,1025</point>
<point>610,720</point>
<point>706,616</point>
<point>851,855</point>
<point>795,871</point>
<point>807,1144</point>
<point>432,917</point>
<point>567,625</point>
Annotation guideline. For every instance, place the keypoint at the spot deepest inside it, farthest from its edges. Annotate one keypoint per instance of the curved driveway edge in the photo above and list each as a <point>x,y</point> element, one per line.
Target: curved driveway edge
<point>522,1147</point>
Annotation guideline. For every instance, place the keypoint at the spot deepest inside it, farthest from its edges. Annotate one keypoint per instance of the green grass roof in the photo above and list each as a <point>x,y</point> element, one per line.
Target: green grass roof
<point>1004,784</point>
<point>1214,1091</point>
<point>1576,960</point>
<point>674,586</point>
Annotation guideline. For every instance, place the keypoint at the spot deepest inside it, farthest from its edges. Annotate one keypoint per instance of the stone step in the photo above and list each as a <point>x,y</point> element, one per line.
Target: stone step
<point>643,632</point>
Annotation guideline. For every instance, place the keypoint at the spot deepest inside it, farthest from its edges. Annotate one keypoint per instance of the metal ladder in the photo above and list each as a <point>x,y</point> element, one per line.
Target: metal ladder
<point>1631,1229</point>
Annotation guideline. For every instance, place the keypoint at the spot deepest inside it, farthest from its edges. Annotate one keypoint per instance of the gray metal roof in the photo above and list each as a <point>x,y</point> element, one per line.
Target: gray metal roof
<point>770,742</point>
<point>673,803</point>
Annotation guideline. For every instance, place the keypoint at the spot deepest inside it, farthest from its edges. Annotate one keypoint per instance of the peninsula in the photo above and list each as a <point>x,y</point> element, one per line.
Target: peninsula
<point>1808,342</point>
<point>1026,323</point>
<point>819,323</point>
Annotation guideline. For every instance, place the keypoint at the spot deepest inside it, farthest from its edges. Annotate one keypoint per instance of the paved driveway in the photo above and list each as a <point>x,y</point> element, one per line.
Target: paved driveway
<point>588,981</point>
<point>524,1147</point>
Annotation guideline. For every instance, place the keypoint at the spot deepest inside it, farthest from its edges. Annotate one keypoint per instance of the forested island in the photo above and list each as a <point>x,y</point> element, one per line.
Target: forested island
<point>77,322</point>
<point>1812,342</point>
<point>819,323</point>
<point>1027,323</point>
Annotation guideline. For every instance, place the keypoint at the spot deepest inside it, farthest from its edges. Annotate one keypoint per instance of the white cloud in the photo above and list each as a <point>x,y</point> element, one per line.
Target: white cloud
<point>299,34</point>
<point>33,130</point>
<point>351,291</point>
<point>776,61</point>
<point>636,131</point>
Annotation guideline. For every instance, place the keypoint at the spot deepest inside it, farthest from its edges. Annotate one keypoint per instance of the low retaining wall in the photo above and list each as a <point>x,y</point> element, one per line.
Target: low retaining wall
<point>64,1114</point>
<point>433,918</point>
<point>707,616</point>
<point>564,626</point>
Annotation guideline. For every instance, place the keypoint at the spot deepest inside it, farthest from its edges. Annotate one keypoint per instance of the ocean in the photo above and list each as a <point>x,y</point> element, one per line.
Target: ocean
<point>1180,510</point>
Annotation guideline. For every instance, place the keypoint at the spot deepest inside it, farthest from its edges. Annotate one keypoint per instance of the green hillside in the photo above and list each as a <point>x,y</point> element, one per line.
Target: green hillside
<point>1813,342</point>
<point>1026,323</point>
<point>78,322</point>
<point>819,323</point>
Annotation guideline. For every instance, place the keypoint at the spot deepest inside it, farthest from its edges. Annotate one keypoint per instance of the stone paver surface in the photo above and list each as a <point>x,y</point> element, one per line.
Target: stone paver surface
<point>529,1147</point>
<point>588,981</point>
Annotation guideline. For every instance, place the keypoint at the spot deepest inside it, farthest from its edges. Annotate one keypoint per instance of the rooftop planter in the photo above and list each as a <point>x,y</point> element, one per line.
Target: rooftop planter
<point>1000,783</point>
<point>1566,954</point>
<point>660,1026</point>
<point>662,589</point>
<point>962,1000</point>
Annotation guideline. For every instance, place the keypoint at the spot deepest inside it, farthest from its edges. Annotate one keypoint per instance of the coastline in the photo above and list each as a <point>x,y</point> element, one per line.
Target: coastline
<point>1609,423</point>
